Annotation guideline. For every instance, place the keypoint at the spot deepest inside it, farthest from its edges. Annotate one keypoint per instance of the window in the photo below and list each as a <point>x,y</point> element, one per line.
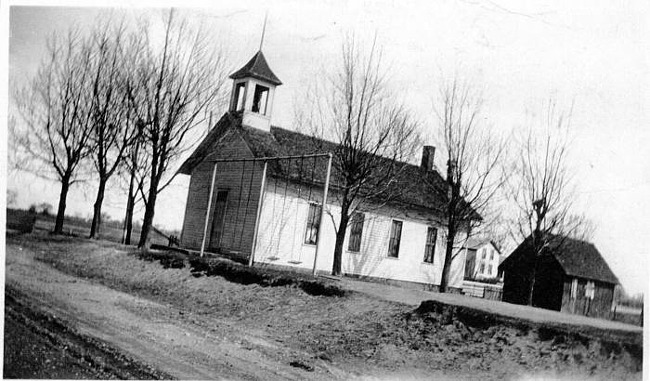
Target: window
<point>260,99</point>
<point>489,270</point>
<point>483,253</point>
<point>491,254</point>
<point>356,230</point>
<point>395,238</point>
<point>482,271</point>
<point>470,264</point>
<point>574,288</point>
<point>240,91</point>
<point>590,290</point>
<point>313,223</point>
<point>430,246</point>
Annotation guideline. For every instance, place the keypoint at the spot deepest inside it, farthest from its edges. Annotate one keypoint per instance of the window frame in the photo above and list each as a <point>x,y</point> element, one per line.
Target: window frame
<point>574,288</point>
<point>590,289</point>
<point>261,102</point>
<point>430,245</point>
<point>356,232</point>
<point>240,92</point>
<point>312,224</point>
<point>395,240</point>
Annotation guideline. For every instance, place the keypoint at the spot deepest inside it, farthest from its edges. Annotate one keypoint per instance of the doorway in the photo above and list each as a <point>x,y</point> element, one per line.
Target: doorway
<point>218,219</point>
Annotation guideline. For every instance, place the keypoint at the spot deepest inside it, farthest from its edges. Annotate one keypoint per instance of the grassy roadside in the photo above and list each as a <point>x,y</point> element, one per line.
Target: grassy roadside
<point>364,333</point>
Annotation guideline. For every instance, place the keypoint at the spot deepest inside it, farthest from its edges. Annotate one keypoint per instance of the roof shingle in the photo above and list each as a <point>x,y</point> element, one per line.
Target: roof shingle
<point>576,257</point>
<point>414,186</point>
<point>258,68</point>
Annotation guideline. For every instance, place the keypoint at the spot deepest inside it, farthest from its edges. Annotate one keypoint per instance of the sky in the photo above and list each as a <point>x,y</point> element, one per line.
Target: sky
<point>591,54</point>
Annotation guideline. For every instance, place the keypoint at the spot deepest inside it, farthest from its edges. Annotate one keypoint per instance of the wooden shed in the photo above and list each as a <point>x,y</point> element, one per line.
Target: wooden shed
<point>570,276</point>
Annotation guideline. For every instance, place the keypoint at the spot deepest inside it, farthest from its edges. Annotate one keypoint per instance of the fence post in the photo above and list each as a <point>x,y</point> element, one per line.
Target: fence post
<point>258,216</point>
<point>322,211</point>
<point>207,210</point>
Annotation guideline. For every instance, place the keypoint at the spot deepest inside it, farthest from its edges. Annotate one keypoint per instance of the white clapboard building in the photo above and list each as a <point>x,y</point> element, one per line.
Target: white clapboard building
<point>271,207</point>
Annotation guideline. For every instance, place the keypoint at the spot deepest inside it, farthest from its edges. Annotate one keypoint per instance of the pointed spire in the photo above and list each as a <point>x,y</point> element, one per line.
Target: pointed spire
<point>266,16</point>
<point>257,68</point>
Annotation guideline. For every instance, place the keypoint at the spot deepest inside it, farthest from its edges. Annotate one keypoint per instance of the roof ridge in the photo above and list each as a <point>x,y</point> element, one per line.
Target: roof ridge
<point>338,144</point>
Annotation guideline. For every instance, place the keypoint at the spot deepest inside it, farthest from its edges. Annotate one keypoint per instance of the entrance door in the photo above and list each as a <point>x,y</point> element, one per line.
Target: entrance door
<point>218,219</point>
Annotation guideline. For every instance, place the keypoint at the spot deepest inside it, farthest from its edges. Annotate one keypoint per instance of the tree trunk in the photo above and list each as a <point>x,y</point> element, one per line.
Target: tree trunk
<point>449,252</point>
<point>63,196</point>
<point>532,282</point>
<point>97,209</point>
<point>147,223</point>
<point>453,192</point>
<point>128,218</point>
<point>340,236</point>
<point>338,246</point>
<point>537,249</point>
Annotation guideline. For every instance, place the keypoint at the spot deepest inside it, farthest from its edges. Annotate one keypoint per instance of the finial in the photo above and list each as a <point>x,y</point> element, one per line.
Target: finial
<point>266,15</point>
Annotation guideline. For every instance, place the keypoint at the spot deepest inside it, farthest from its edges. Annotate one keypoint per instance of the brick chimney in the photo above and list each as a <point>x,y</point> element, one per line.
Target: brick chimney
<point>428,154</point>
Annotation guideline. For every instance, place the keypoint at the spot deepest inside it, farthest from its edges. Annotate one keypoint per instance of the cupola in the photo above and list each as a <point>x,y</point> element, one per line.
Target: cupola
<point>253,92</point>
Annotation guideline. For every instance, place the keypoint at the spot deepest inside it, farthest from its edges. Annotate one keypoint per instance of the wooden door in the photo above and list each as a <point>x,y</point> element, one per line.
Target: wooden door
<point>218,219</point>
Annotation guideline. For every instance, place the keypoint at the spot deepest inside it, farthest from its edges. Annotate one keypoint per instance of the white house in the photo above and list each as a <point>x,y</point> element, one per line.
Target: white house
<point>482,259</point>
<point>268,214</point>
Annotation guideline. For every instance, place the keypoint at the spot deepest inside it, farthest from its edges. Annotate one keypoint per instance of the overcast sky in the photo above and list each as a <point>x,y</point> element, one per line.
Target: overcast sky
<point>592,53</point>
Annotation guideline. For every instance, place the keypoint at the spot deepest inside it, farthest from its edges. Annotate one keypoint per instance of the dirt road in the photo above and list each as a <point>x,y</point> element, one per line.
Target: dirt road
<point>163,336</point>
<point>38,345</point>
<point>209,325</point>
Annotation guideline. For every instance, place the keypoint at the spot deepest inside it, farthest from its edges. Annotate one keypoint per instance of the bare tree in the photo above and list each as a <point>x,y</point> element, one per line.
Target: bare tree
<point>474,153</point>
<point>133,161</point>
<point>113,128</point>
<point>373,132</point>
<point>541,186</point>
<point>55,108</point>
<point>173,87</point>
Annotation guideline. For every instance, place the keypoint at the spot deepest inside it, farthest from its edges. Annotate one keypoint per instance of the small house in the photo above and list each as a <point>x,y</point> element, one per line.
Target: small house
<point>481,259</point>
<point>569,275</point>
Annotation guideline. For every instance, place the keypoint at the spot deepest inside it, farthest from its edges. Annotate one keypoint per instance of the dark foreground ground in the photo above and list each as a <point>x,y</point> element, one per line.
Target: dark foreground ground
<point>215,320</point>
<point>38,345</point>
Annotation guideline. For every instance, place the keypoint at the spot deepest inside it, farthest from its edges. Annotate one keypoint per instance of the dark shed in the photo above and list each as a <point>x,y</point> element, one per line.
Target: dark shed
<point>571,276</point>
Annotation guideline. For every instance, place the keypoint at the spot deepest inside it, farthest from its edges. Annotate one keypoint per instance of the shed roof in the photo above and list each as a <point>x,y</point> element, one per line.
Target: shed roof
<point>258,68</point>
<point>576,257</point>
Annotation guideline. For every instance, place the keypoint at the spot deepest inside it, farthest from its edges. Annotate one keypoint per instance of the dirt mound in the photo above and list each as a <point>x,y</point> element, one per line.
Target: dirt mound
<point>238,273</point>
<point>563,343</point>
<point>461,342</point>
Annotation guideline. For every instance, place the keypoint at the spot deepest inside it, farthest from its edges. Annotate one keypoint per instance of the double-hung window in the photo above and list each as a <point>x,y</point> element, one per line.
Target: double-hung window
<point>356,230</point>
<point>395,238</point>
<point>430,246</point>
<point>590,289</point>
<point>313,224</point>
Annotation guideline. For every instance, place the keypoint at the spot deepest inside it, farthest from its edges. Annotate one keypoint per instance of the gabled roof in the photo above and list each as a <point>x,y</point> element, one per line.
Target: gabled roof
<point>478,242</point>
<point>416,188</point>
<point>576,257</point>
<point>258,68</point>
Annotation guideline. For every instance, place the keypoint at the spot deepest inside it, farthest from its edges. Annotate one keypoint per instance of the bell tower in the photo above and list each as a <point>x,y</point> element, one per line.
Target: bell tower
<point>253,92</point>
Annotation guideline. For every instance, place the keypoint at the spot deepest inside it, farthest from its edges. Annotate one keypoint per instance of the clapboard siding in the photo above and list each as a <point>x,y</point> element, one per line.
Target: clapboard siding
<point>242,180</point>
<point>283,224</point>
<point>600,306</point>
